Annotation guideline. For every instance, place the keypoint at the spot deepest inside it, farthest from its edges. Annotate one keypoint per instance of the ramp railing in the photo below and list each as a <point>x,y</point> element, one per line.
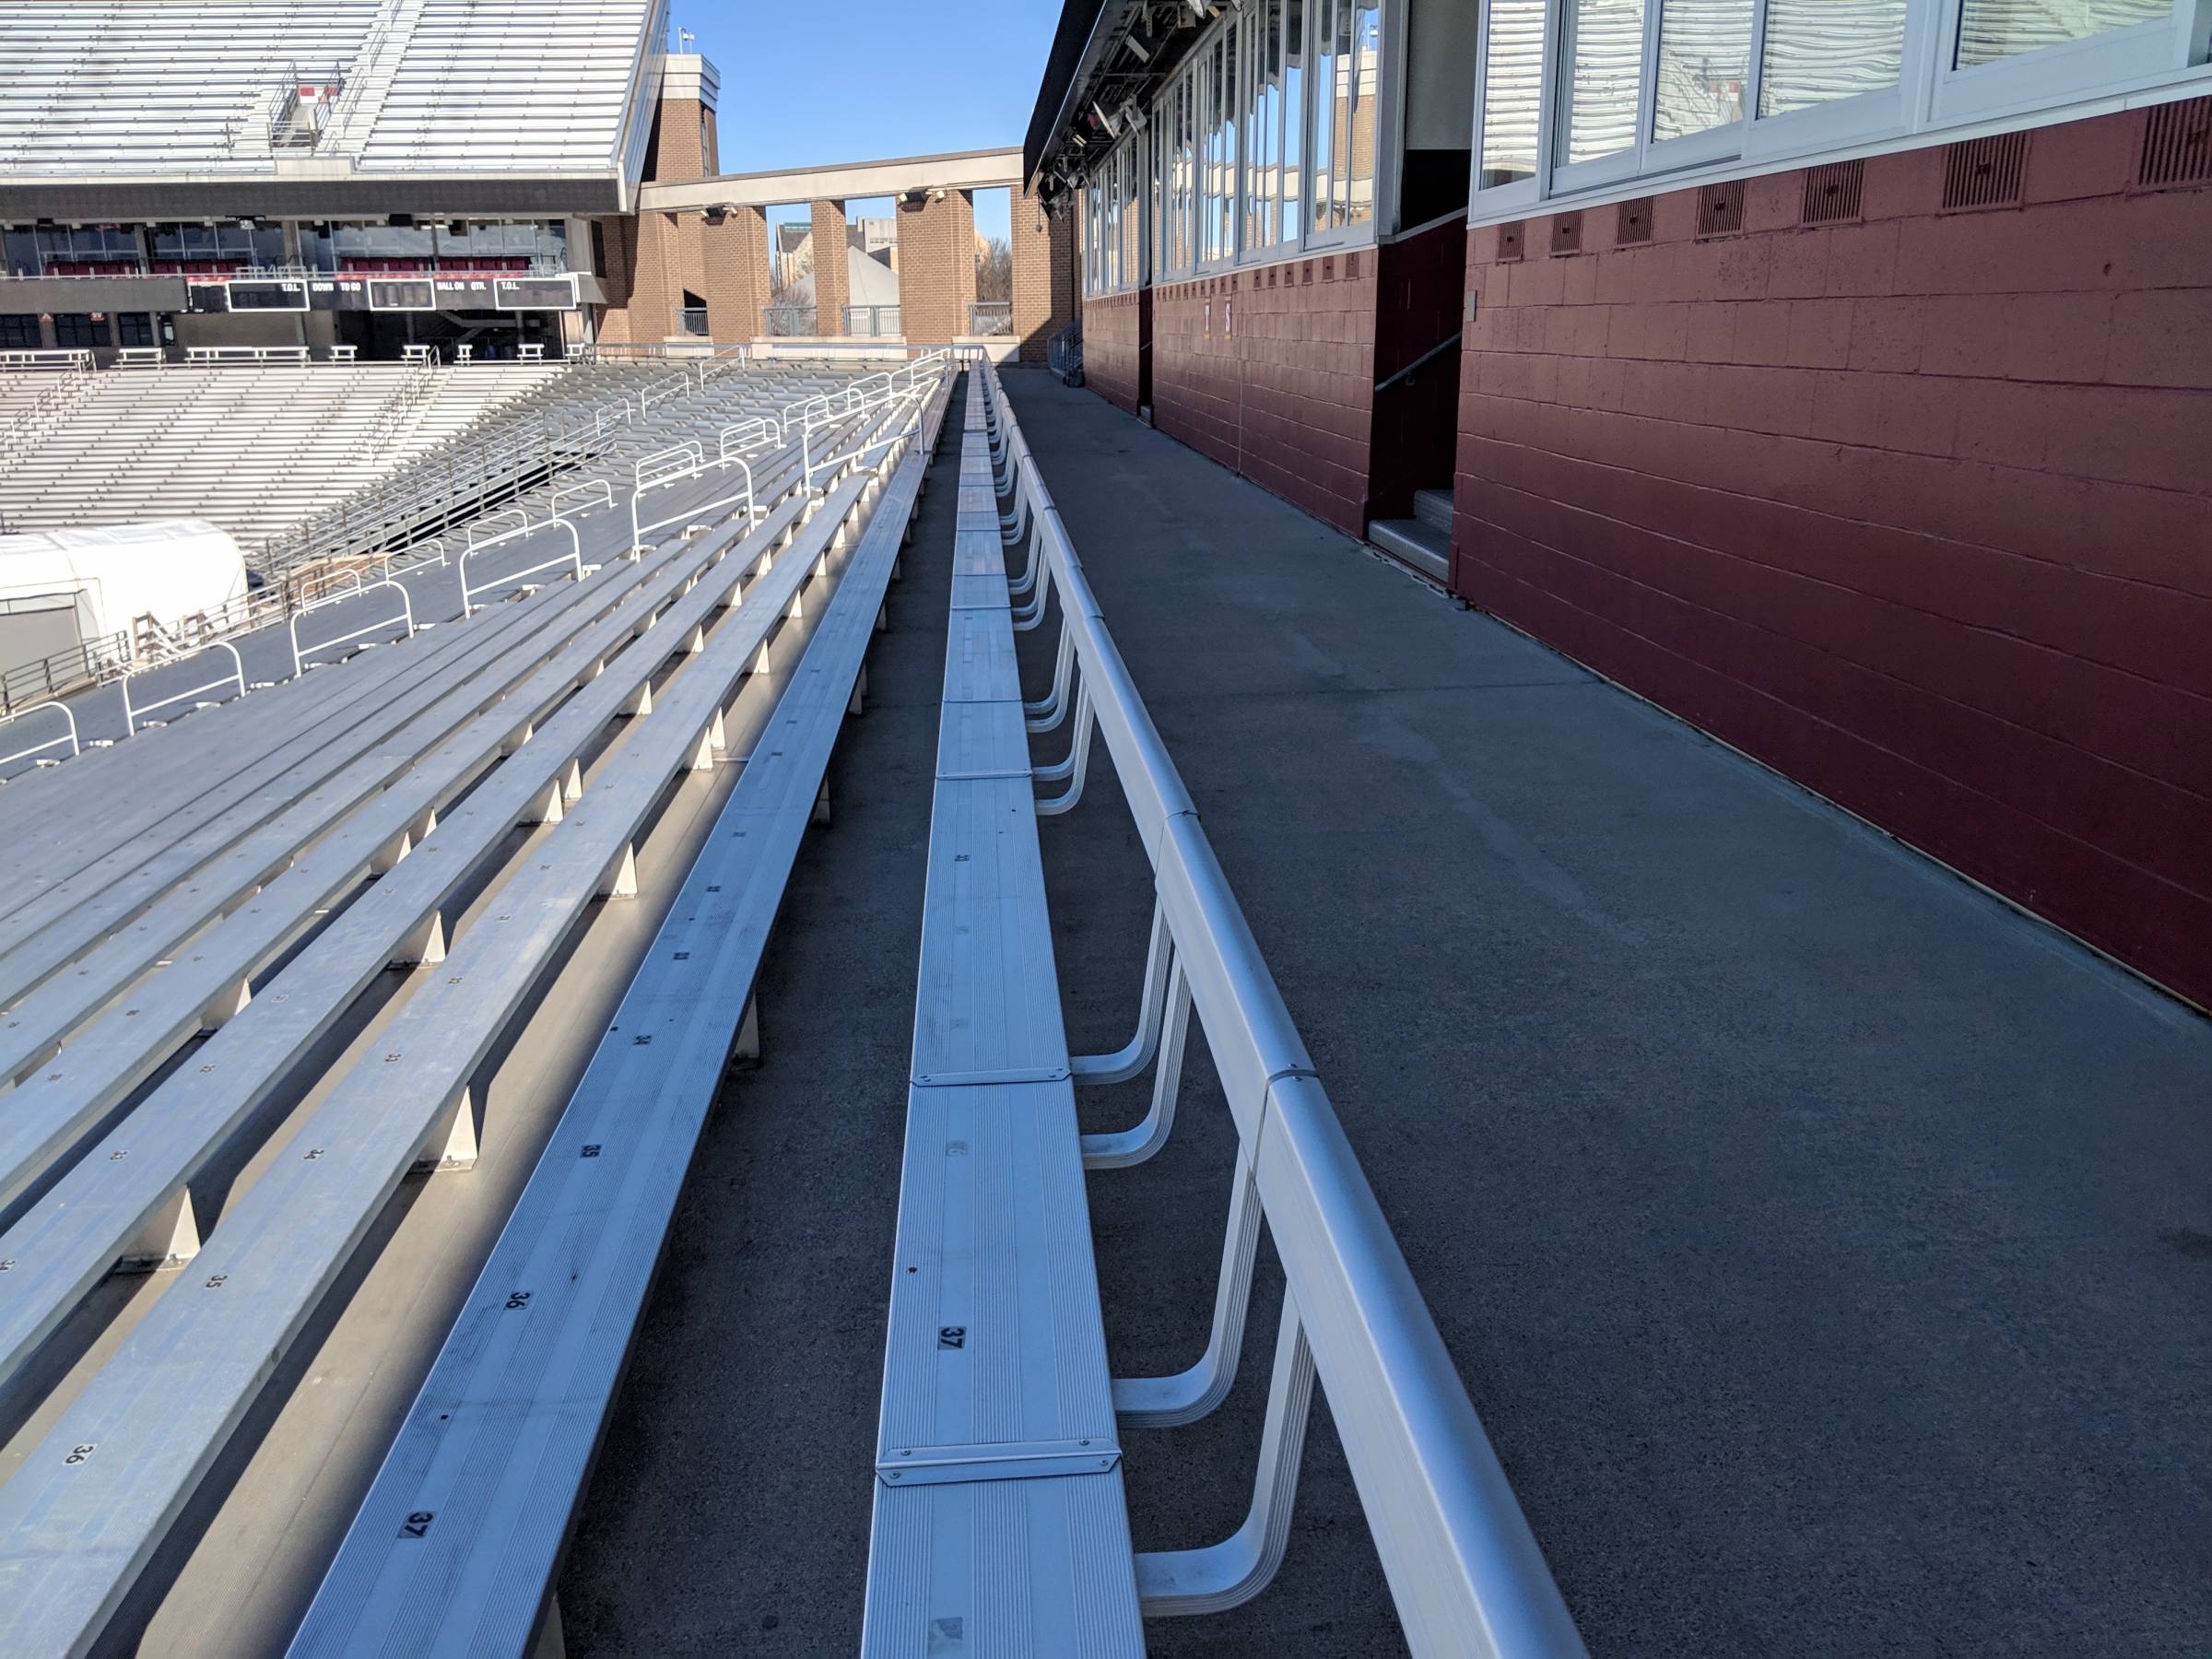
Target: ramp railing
<point>1463,1567</point>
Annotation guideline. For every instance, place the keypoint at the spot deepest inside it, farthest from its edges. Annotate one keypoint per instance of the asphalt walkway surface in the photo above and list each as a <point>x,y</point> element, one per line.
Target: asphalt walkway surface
<point>1827,1248</point>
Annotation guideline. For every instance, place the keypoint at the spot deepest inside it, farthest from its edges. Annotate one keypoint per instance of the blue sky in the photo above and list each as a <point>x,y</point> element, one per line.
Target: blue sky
<point>846,80</point>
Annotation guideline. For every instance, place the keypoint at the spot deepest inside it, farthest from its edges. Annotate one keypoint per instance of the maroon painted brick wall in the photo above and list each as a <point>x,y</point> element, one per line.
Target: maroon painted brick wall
<point>1916,507</point>
<point>1269,370</point>
<point>1109,348</point>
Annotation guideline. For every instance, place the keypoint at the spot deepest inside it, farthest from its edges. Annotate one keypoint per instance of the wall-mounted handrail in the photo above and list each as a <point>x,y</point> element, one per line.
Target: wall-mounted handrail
<point>575,556</point>
<point>132,714</point>
<point>1463,1566</point>
<point>1420,362</point>
<point>407,616</point>
<point>63,709</point>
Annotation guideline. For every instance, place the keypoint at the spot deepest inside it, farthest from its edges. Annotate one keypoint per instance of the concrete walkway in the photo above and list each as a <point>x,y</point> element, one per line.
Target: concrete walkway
<point>1828,1250</point>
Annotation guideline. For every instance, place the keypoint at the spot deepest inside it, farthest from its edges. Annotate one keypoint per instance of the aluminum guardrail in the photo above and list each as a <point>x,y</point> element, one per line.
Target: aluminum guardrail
<point>1464,1568</point>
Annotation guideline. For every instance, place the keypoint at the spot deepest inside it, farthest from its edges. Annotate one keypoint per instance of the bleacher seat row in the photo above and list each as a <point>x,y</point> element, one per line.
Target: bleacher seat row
<point>998,1509</point>
<point>613,689</point>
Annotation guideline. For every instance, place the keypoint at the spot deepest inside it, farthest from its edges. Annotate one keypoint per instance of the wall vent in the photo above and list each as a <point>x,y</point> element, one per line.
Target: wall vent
<point>1634,222</point>
<point>1351,264</point>
<point>1509,239</point>
<point>1566,233</point>
<point>1985,173</point>
<point>1832,193</point>
<point>1720,208</point>
<point>2177,144</point>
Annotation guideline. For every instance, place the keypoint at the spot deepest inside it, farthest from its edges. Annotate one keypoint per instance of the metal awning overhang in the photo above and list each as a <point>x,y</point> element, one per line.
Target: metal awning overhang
<point>1088,31</point>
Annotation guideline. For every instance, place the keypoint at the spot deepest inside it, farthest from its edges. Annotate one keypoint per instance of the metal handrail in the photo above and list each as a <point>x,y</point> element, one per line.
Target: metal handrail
<point>1463,1566</point>
<point>76,748</point>
<point>1420,362</point>
<point>132,716</point>
<point>575,556</point>
<point>407,615</point>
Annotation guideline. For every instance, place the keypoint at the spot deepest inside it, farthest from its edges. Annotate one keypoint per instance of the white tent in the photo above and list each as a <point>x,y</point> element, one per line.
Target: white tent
<point>59,587</point>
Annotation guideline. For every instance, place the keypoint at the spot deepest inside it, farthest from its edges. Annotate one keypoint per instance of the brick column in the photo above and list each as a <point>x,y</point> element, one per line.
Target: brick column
<point>832,282</point>
<point>936,266</point>
<point>1044,276</point>
<point>735,254</point>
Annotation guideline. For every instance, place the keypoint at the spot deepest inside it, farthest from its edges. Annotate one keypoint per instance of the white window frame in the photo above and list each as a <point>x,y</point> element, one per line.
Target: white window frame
<point>1929,97</point>
<point>1181,229</point>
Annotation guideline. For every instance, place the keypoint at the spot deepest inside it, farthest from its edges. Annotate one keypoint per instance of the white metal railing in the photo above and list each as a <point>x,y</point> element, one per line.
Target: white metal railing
<point>519,515</point>
<point>65,357</point>
<point>406,616</point>
<point>133,713</point>
<point>68,737</point>
<point>666,468</point>
<point>209,355</point>
<point>832,466</point>
<point>592,492</point>
<point>574,558</point>
<point>1463,1567</point>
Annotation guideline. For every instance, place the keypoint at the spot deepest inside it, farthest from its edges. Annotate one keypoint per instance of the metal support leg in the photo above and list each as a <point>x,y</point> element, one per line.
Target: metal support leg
<point>1021,585</point>
<point>1133,1056</point>
<point>1133,1145</point>
<point>1046,714</point>
<point>1026,619</point>
<point>1224,1575</point>
<point>1168,1402</point>
<point>1074,767</point>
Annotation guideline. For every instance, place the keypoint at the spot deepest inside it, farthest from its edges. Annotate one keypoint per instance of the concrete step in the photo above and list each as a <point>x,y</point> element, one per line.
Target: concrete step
<point>1418,544</point>
<point>1433,508</point>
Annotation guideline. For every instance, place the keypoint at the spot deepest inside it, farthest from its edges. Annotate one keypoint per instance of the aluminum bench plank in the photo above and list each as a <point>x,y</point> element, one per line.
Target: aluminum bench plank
<point>499,1442</point>
<point>1000,1526</point>
<point>75,1529</point>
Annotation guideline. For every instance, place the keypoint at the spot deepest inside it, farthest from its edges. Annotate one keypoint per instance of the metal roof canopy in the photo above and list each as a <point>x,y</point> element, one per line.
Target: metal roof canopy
<point>1092,35</point>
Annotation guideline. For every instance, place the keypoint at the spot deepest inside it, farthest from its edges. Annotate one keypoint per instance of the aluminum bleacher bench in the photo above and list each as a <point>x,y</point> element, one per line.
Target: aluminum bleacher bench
<point>59,975</point>
<point>137,1210</point>
<point>397,920</point>
<point>1000,1526</point>
<point>457,1541</point>
<point>78,1527</point>
<point>992,1345</point>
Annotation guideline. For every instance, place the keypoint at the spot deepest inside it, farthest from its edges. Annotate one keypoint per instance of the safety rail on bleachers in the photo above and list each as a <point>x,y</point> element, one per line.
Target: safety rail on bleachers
<point>632,675</point>
<point>88,663</point>
<point>1463,1566</point>
<point>69,735</point>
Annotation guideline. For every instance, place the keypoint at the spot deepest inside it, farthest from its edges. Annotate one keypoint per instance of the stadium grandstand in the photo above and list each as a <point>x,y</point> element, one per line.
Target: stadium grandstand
<point>1234,930</point>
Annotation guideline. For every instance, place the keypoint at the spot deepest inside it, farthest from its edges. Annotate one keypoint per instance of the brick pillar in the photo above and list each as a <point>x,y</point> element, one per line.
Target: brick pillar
<point>679,141</point>
<point>735,254</point>
<point>654,279</point>
<point>936,266</point>
<point>1044,276</point>
<point>832,282</point>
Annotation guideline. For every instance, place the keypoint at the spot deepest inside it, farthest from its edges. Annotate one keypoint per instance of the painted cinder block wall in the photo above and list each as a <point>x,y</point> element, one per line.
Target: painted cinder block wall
<point>1268,371</point>
<point>1915,506</point>
<point>1109,342</point>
